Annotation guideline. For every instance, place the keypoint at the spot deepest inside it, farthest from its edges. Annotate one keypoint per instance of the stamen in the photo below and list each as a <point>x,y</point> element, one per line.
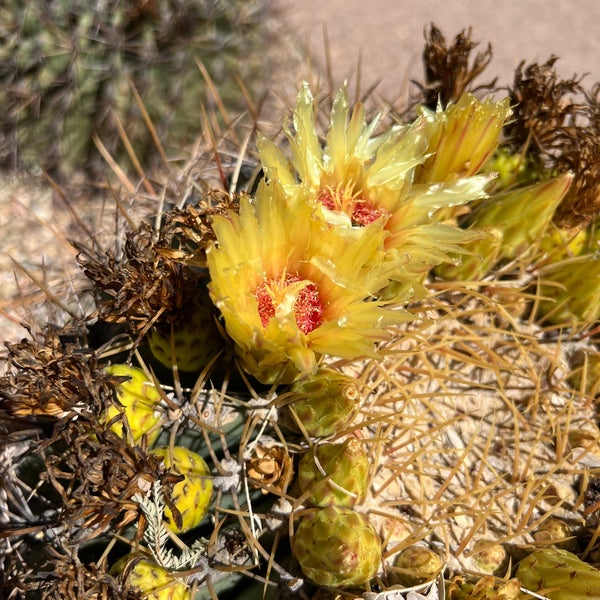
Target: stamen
<point>366,212</point>
<point>308,309</point>
<point>361,211</point>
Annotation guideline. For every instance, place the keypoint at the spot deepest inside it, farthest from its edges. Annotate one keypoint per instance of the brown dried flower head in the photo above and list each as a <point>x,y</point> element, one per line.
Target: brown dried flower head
<point>49,379</point>
<point>542,105</point>
<point>270,467</point>
<point>158,271</point>
<point>450,71</point>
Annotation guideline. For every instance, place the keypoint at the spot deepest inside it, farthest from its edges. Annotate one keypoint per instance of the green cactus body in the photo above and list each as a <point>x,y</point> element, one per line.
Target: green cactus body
<point>139,398</point>
<point>150,579</point>
<point>196,341</point>
<point>337,547</point>
<point>559,575</point>
<point>324,403</point>
<point>191,496</point>
<point>338,474</point>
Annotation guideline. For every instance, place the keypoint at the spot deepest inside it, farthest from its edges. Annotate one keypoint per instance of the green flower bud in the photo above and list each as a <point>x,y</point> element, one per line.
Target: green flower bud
<point>337,474</point>
<point>489,557</point>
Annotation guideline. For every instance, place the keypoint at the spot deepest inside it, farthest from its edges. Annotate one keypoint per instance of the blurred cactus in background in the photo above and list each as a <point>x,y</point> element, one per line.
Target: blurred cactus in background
<point>68,70</point>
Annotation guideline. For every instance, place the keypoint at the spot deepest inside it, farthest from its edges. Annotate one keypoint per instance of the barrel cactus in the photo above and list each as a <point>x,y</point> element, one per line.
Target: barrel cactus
<point>371,371</point>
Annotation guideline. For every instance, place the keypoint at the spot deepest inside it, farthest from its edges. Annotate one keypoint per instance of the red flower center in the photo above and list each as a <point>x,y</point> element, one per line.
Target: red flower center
<point>366,212</point>
<point>308,308</point>
<point>362,212</point>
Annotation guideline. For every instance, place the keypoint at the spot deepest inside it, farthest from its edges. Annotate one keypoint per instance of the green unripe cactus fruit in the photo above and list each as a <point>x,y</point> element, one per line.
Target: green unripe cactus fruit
<point>489,557</point>
<point>559,575</point>
<point>416,565</point>
<point>337,547</point>
<point>191,496</point>
<point>139,398</point>
<point>196,341</point>
<point>150,579</point>
<point>324,403</point>
<point>336,474</point>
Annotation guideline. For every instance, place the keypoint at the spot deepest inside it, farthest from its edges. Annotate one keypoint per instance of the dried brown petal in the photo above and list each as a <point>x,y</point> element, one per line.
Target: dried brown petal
<point>450,71</point>
<point>270,466</point>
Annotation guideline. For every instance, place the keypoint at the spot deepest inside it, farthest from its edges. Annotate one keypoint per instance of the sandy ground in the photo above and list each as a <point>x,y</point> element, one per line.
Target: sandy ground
<point>388,34</point>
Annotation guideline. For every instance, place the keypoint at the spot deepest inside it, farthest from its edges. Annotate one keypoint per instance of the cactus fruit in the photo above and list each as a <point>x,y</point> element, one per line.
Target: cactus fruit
<point>489,557</point>
<point>324,403</point>
<point>150,579</point>
<point>139,398</point>
<point>556,532</point>
<point>191,496</point>
<point>337,547</point>
<point>337,474</point>
<point>196,341</point>
<point>559,575</point>
<point>416,565</point>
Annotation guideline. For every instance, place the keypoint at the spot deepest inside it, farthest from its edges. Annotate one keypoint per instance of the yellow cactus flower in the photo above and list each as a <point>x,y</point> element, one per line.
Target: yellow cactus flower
<point>358,178</point>
<point>461,137</point>
<point>291,287</point>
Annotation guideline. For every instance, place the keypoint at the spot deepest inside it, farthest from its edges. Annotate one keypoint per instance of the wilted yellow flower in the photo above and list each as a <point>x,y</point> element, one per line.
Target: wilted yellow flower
<point>291,287</point>
<point>357,178</point>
